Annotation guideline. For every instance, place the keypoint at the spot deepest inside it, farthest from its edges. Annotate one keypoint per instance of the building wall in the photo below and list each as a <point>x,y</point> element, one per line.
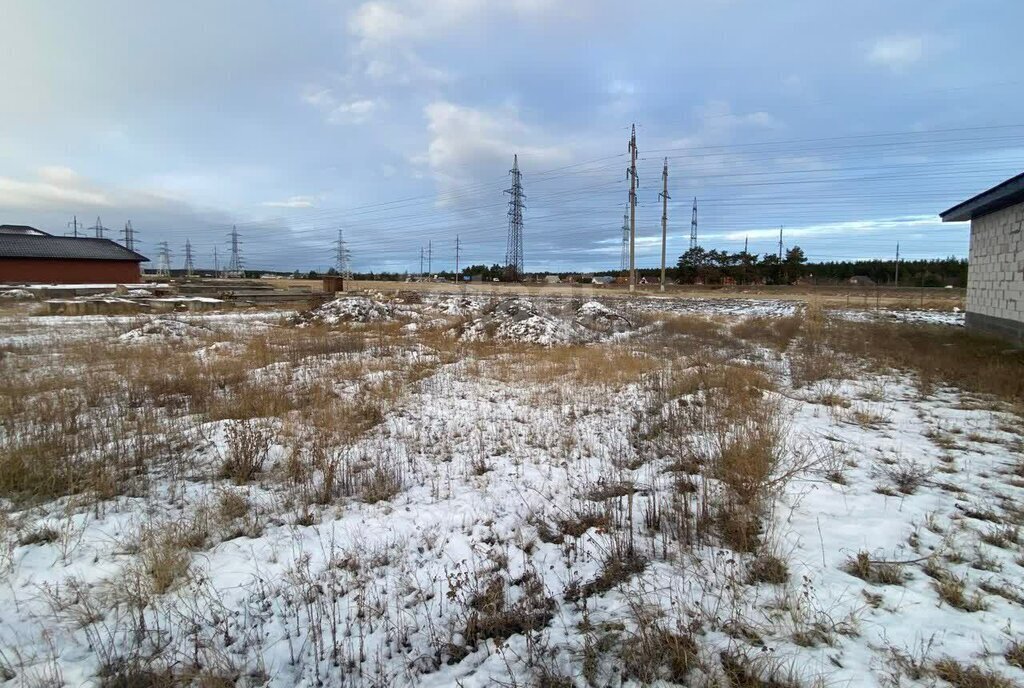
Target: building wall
<point>995,279</point>
<point>69,271</point>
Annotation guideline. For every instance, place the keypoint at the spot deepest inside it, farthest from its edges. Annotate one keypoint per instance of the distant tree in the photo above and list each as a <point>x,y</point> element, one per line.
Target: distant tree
<point>312,275</point>
<point>332,273</point>
<point>793,265</point>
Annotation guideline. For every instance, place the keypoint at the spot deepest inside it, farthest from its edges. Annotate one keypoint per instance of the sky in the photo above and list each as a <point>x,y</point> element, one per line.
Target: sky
<point>850,125</point>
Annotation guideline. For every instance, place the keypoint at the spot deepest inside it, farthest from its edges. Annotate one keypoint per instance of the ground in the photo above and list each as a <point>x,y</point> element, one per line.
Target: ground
<point>438,489</point>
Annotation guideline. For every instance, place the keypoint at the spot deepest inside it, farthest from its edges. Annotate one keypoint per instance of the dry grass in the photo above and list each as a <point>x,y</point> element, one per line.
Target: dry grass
<point>961,675</point>
<point>596,365</point>
<point>874,571</point>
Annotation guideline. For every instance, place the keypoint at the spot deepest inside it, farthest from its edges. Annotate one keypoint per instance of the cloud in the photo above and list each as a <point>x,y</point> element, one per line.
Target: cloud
<point>356,111</point>
<point>467,143</point>
<point>835,228</point>
<point>337,111</point>
<point>293,202</point>
<point>59,186</point>
<point>896,53</point>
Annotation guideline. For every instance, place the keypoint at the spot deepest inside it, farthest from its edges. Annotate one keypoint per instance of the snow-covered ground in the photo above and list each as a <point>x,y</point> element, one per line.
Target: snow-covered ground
<point>523,507</point>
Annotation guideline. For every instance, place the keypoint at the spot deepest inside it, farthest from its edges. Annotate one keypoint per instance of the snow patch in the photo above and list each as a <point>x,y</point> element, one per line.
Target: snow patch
<point>164,329</point>
<point>519,320</point>
<point>347,309</point>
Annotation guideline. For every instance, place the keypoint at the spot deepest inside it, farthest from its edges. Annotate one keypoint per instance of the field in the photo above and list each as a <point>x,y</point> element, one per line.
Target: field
<point>837,296</point>
<point>424,488</point>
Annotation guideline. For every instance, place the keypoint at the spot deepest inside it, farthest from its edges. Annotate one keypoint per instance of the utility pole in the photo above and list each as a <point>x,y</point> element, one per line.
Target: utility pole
<point>189,268</point>
<point>421,262</point>
<point>664,219</point>
<point>693,225</point>
<point>632,210</point>
<point>897,263</point>
<point>430,259</point>
<point>234,268</point>
<point>456,257</point>
<point>780,243</point>
<point>216,262</point>
<point>129,235</point>
<point>514,245</point>
<point>74,226</point>
<point>98,228</point>
<point>746,258</point>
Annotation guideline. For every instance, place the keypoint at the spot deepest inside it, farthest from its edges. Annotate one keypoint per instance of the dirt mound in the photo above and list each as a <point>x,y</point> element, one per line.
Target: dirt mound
<point>164,330</point>
<point>596,316</point>
<point>347,309</point>
<point>520,320</point>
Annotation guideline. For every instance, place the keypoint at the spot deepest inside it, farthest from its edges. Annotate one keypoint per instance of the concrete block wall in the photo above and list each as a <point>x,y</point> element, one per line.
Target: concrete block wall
<point>995,281</point>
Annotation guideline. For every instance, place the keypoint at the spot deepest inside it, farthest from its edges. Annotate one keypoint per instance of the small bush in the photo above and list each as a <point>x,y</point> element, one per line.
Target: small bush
<point>875,572</point>
<point>768,568</point>
<point>248,442</point>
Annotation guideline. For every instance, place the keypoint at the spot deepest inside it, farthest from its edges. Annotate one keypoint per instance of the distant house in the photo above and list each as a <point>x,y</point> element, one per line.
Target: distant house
<point>28,254</point>
<point>862,281</point>
<point>602,279</point>
<point>551,279</point>
<point>995,277</point>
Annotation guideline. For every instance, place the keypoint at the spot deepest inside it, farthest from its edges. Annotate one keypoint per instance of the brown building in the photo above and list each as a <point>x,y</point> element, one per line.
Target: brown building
<point>31,255</point>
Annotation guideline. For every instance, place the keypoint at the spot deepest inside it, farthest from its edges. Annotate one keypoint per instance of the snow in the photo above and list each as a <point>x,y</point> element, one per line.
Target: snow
<point>483,462</point>
<point>521,320</point>
<point>954,318</point>
<point>348,309</point>
<point>164,329</point>
<point>16,294</point>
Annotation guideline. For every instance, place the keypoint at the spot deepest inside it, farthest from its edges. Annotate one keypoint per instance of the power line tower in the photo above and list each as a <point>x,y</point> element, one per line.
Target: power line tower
<point>163,260</point>
<point>624,260</point>
<point>456,257</point>
<point>74,226</point>
<point>430,258</point>
<point>235,263</point>
<point>633,183</point>
<point>129,235</point>
<point>780,243</point>
<point>514,246</point>
<point>664,219</point>
<point>422,254</point>
<point>216,262</point>
<point>693,225</point>
<point>343,258</point>
<point>98,229</point>
<point>189,267</point>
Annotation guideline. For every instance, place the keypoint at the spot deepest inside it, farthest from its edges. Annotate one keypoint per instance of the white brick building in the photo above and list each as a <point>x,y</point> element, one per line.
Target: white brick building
<point>995,277</point>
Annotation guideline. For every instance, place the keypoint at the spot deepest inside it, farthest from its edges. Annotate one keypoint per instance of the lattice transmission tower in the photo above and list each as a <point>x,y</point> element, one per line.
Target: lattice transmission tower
<point>129,235</point>
<point>189,266</point>
<point>514,247</point>
<point>163,260</point>
<point>343,257</point>
<point>235,263</point>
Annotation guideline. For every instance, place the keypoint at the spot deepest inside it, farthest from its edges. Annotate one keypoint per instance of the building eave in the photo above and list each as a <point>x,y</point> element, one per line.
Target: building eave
<point>998,197</point>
